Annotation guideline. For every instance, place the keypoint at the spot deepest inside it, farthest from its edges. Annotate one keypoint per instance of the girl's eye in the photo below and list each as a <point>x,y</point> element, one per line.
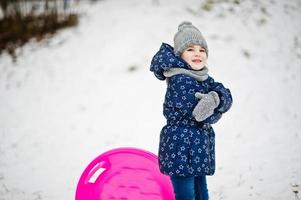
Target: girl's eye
<point>202,50</point>
<point>189,49</point>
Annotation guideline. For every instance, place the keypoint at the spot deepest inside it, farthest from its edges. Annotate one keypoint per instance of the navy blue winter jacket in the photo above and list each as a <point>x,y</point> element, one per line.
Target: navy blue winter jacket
<point>187,147</point>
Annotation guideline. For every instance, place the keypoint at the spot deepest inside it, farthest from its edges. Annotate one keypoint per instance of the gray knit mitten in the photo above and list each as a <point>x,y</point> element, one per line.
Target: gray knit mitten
<point>206,105</point>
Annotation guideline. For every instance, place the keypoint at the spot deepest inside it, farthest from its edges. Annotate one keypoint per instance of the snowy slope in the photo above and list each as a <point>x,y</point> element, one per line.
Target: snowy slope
<point>89,89</point>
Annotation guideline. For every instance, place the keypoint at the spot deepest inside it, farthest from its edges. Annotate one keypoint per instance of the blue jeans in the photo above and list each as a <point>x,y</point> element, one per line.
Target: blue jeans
<point>190,188</point>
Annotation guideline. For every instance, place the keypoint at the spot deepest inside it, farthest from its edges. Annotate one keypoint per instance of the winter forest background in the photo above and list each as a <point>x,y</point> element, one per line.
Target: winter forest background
<point>70,94</point>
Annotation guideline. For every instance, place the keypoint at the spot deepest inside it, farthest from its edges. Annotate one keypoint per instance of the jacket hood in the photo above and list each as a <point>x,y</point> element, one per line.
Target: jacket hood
<point>165,59</point>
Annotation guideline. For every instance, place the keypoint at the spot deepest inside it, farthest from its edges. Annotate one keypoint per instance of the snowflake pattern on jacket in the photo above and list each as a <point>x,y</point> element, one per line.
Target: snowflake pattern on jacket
<point>187,147</point>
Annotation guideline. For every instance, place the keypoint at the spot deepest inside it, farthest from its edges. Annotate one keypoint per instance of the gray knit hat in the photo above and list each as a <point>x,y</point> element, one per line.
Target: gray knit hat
<point>186,36</point>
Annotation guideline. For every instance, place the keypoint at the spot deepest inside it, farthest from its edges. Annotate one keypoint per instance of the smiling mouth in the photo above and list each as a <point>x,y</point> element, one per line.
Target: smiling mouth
<point>197,61</point>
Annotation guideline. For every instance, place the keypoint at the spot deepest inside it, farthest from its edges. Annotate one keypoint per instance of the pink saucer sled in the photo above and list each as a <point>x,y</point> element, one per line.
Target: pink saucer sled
<point>124,174</point>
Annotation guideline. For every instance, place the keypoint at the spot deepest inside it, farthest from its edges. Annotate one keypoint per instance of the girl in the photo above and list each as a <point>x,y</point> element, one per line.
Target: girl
<point>193,102</point>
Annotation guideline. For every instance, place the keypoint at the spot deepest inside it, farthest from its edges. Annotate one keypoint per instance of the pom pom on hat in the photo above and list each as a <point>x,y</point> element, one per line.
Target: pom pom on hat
<point>183,25</point>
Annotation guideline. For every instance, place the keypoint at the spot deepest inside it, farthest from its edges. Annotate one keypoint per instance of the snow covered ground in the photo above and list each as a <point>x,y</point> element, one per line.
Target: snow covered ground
<point>89,89</point>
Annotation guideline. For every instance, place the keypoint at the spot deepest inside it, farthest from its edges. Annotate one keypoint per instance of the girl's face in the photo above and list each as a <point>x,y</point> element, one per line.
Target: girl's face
<point>195,56</point>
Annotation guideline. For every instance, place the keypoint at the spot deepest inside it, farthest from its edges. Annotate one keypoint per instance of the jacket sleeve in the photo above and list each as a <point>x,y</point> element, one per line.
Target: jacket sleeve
<point>225,101</point>
<point>178,105</point>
